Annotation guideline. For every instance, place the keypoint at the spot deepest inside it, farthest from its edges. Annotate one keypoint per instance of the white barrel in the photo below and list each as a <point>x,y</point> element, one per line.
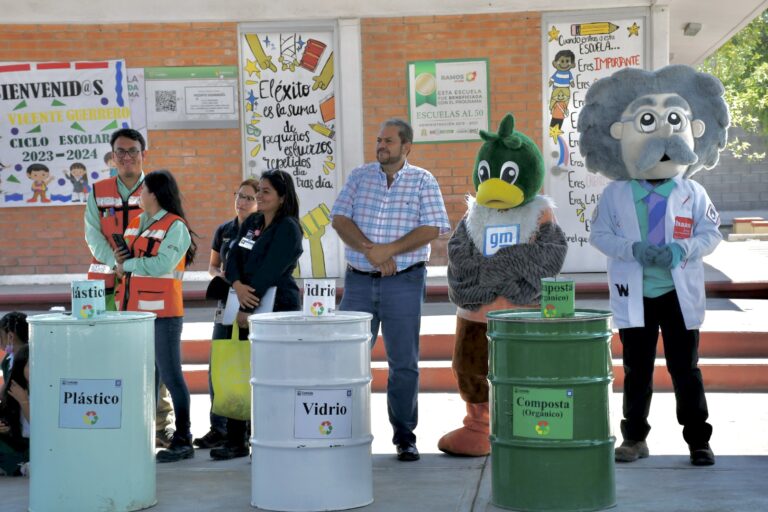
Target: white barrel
<point>92,385</point>
<point>311,416</point>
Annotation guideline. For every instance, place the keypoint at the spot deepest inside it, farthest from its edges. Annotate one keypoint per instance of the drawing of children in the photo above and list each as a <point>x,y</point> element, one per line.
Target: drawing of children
<point>41,177</point>
<point>78,175</point>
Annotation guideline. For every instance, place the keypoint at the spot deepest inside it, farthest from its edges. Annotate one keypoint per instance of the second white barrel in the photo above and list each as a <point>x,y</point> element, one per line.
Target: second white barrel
<point>311,420</point>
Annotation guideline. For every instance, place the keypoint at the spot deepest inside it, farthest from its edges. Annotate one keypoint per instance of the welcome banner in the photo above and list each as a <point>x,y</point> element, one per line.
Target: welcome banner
<point>57,118</point>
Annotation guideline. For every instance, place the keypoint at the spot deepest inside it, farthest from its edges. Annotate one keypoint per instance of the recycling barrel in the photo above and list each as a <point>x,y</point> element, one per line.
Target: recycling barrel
<point>92,417</point>
<point>551,442</point>
<point>311,421</point>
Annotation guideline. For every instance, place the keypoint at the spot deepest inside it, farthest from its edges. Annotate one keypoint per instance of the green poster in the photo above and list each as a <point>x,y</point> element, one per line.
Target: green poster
<point>542,413</point>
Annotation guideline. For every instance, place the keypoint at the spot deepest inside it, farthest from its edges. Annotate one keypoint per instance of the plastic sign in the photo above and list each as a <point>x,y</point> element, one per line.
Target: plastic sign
<point>90,403</point>
<point>88,299</point>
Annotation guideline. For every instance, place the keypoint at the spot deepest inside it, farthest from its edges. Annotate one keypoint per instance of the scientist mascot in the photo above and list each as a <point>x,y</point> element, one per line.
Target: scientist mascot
<point>650,132</point>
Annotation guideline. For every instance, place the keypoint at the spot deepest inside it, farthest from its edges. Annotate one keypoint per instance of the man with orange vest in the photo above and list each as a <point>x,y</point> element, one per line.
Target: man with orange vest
<point>113,203</point>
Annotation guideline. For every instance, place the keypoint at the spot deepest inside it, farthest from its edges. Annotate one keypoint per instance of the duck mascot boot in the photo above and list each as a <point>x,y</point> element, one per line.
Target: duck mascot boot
<point>503,246</point>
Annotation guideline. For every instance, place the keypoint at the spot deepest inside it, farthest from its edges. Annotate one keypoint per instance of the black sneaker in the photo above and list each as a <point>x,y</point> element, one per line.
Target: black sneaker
<point>407,452</point>
<point>164,437</point>
<point>179,449</point>
<point>701,455</point>
<point>227,452</point>
<point>213,439</point>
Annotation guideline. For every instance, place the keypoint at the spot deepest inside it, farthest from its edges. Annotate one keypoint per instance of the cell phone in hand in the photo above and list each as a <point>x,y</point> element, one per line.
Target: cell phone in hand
<point>121,243</point>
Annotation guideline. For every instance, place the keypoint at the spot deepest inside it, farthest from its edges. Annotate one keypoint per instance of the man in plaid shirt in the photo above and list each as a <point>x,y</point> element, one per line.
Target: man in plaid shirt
<point>387,213</point>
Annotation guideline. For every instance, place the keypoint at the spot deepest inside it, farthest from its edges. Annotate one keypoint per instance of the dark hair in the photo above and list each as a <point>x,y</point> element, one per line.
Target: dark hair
<point>77,165</point>
<point>16,322</point>
<point>404,129</point>
<point>37,167</point>
<point>250,182</point>
<point>108,156</point>
<point>565,53</point>
<point>282,182</point>
<point>163,185</point>
<point>129,133</point>
<point>10,409</point>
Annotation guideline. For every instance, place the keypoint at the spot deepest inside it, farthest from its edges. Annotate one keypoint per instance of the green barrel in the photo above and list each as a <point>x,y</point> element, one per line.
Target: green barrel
<point>551,442</point>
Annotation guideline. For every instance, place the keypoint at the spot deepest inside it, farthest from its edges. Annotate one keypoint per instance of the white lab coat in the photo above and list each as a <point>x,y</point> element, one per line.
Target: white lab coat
<point>615,228</point>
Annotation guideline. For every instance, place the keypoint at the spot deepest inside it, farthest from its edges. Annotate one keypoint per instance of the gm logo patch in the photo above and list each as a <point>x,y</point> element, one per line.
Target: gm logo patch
<point>497,237</point>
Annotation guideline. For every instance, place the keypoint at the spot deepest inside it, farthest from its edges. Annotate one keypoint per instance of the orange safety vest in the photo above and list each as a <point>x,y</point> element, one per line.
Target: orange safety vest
<point>161,295</point>
<point>114,214</point>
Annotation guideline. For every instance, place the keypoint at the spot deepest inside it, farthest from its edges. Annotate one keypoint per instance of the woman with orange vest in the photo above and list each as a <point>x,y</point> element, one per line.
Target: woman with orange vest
<point>161,246</point>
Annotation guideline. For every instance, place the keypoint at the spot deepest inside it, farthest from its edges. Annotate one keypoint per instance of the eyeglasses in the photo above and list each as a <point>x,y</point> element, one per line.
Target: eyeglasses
<point>122,153</point>
<point>248,199</point>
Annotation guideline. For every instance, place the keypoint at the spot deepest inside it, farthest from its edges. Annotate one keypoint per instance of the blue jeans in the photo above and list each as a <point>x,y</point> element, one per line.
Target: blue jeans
<point>395,303</point>
<point>168,369</point>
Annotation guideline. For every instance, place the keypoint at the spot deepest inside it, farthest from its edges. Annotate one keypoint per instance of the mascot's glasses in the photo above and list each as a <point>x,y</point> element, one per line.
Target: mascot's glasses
<point>648,121</point>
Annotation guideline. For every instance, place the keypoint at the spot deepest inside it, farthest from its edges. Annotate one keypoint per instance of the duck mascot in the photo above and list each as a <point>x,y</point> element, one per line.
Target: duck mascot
<point>507,241</point>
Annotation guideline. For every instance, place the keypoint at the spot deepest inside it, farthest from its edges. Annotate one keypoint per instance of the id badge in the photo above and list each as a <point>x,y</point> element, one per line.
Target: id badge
<point>218,315</point>
<point>683,228</point>
<point>246,243</point>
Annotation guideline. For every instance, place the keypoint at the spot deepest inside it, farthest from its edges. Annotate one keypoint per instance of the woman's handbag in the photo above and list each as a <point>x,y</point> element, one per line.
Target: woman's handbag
<point>230,376</point>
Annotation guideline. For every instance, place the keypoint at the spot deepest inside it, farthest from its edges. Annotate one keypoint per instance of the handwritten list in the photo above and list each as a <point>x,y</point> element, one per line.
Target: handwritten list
<point>579,52</point>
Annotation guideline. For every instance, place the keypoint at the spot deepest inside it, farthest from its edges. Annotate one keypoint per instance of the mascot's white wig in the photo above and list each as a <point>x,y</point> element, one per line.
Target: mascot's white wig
<point>607,99</point>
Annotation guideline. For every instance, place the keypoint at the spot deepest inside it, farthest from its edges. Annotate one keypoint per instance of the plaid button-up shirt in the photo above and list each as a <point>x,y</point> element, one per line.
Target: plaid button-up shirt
<point>387,214</point>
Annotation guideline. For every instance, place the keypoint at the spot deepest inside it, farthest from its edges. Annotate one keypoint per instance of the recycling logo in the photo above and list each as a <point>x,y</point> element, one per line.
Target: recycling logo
<point>542,428</point>
<point>317,308</point>
<point>90,418</point>
<point>86,311</point>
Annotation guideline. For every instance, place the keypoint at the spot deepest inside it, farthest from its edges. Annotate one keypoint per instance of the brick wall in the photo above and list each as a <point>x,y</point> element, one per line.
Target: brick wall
<point>737,184</point>
<point>512,44</point>
<point>207,164</point>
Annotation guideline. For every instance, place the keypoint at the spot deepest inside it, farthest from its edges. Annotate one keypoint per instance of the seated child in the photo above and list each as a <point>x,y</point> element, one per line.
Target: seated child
<point>14,395</point>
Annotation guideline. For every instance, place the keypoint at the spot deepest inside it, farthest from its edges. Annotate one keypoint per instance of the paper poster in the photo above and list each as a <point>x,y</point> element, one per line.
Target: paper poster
<point>542,413</point>
<point>191,97</point>
<point>289,123</point>
<point>57,121</point>
<point>319,297</point>
<point>578,51</point>
<point>448,100</point>
<point>137,101</point>
<point>322,414</point>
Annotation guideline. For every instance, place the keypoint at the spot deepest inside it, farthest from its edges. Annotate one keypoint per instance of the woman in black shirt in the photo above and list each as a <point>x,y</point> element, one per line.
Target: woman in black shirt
<point>245,205</point>
<point>264,254</point>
